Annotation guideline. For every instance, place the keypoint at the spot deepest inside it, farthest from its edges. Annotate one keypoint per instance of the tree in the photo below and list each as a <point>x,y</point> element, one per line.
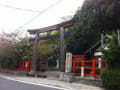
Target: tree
<point>94,17</point>
<point>86,30</point>
<point>109,14</point>
<point>13,49</point>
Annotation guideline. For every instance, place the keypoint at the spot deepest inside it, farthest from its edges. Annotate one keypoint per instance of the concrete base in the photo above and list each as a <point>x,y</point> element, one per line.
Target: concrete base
<point>36,75</point>
<point>92,81</point>
<point>67,77</point>
<point>32,72</point>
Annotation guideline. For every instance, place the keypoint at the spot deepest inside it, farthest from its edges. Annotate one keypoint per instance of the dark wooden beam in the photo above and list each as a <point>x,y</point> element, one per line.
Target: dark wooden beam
<point>53,27</point>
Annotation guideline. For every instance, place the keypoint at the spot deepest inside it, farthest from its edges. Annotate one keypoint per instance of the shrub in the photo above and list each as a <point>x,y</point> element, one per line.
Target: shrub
<point>111,79</point>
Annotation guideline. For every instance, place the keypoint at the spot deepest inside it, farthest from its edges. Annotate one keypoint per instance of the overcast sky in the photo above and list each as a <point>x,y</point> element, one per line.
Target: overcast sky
<point>11,19</point>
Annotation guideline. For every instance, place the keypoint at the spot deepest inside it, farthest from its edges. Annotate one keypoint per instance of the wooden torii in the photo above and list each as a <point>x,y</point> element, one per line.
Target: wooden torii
<point>48,30</point>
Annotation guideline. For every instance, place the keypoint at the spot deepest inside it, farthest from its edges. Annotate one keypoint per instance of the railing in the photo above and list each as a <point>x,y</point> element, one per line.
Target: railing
<point>26,65</point>
<point>81,65</point>
<point>6,68</point>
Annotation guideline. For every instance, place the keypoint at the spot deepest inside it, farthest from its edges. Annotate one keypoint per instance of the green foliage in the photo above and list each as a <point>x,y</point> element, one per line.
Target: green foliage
<point>87,30</point>
<point>48,50</point>
<point>111,76</point>
<point>13,53</point>
<point>95,16</point>
<point>108,14</point>
<point>54,32</point>
<point>111,56</point>
<point>111,79</point>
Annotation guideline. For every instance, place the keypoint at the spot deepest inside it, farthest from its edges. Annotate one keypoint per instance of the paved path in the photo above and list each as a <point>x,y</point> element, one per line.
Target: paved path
<point>6,84</point>
<point>37,83</point>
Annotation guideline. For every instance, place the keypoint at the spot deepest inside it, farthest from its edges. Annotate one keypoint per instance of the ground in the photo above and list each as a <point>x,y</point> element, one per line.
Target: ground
<point>47,83</point>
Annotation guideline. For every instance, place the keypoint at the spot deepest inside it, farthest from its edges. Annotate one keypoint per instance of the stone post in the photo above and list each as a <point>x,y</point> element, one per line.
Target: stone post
<point>68,64</point>
<point>67,75</point>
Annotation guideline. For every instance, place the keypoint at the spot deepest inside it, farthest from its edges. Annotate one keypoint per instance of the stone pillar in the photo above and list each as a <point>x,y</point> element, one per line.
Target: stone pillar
<point>62,51</point>
<point>68,65</point>
<point>67,75</point>
<point>35,56</point>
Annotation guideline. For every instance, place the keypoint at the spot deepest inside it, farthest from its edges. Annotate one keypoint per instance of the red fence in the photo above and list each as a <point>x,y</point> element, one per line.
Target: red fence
<point>6,68</point>
<point>80,66</point>
<point>26,65</point>
<point>87,67</point>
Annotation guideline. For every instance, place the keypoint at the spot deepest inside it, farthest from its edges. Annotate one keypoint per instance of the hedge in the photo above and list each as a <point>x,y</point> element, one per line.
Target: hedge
<point>111,79</point>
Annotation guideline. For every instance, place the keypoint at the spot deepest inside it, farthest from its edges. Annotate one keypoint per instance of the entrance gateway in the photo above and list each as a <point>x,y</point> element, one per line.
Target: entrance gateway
<point>48,30</point>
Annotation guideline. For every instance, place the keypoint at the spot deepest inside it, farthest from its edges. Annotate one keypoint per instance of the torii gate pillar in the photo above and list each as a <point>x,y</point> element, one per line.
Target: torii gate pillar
<point>35,54</point>
<point>62,50</point>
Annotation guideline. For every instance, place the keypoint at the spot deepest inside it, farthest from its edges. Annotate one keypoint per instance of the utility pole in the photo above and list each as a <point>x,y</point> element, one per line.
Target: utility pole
<point>35,54</point>
<point>102,40</point>
<point>62,51</point>
<point>118,37</point>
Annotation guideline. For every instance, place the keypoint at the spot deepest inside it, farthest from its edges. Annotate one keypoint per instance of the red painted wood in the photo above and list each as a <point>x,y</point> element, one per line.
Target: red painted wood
<point>81,59</point>
<point>93,67</point>
<point>23,66</point>
<point>74,66</point>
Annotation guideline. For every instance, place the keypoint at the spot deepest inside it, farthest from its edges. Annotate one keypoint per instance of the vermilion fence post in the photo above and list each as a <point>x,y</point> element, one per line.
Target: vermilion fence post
<point>83,63</point>
<point>20,66</point>
<point>93,67</point>
<point>24,66</point>
<point>74,66</point>
<point>30,65</point>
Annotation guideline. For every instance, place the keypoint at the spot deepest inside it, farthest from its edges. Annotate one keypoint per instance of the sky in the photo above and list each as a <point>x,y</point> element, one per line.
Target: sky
<point>16,15</point>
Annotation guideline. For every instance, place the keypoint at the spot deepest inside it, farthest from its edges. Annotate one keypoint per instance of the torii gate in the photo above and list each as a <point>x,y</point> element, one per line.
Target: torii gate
<point>48,30</point>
